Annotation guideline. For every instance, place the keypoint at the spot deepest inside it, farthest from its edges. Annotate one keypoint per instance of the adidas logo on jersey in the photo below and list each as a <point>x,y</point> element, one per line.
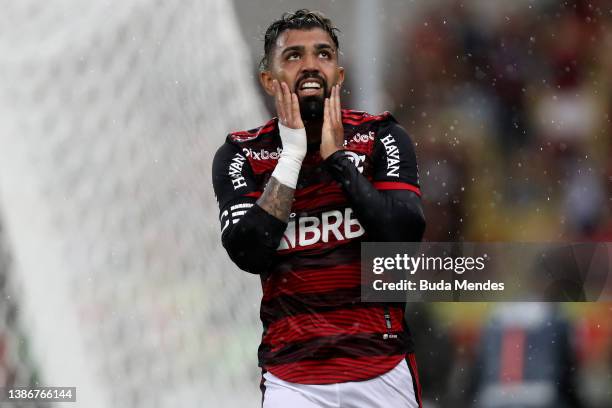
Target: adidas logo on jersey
<point>262,154</point>
<point>305,231</point>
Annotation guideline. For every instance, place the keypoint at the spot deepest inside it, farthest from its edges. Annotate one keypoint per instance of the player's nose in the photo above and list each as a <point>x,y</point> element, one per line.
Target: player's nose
<point>310,63</point>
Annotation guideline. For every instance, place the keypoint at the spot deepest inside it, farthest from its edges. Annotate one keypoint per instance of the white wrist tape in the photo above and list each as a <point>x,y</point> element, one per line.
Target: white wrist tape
<point>289,164</point>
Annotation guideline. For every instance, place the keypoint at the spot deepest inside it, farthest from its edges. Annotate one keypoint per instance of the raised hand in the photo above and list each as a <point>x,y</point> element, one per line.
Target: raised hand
<point>287,106</point>
<point>332,134</point>
<point>277,197</point>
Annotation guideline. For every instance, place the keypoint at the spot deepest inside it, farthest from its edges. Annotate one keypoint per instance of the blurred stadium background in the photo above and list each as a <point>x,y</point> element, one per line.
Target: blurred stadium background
<point>112,277</point>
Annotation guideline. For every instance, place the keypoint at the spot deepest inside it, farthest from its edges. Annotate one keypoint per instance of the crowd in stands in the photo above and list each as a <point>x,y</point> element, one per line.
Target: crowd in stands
<point>512,120</point>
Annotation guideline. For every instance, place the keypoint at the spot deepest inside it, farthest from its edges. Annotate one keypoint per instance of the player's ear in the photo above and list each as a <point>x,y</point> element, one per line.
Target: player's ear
<point>265,78</point>
<point>340,76</point>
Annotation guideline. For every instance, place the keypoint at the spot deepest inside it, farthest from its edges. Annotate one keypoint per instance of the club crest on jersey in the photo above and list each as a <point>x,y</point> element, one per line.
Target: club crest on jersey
<point>310,230</point>
<point>393,159</point>
<point>357,159</point>
<point>262,154</point>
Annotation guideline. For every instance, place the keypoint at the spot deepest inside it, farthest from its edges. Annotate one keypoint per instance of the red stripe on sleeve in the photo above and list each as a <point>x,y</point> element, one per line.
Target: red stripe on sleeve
<point>396,185</point>
<point>255,194</point>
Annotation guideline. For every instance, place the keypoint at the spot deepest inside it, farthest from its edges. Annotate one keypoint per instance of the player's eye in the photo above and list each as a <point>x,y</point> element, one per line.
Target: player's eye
<point>325,54</point>
<point>293,56</point>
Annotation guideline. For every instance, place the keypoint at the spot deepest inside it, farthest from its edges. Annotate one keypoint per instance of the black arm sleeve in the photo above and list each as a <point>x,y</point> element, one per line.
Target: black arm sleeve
<point>248,233</point>
<point>395,213</point>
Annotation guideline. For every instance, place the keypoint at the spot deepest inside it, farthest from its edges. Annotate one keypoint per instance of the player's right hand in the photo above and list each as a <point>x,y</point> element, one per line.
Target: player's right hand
<point>292,133</point>
<point>287,106</point>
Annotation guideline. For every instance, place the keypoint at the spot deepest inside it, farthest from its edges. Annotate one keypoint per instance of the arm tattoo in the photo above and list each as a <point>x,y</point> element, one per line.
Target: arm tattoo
<point>277,199</point>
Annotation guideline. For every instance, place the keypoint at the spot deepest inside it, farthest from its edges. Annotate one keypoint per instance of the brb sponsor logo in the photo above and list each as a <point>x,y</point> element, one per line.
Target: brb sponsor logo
<point>329,225</point>
<point>262,154</point>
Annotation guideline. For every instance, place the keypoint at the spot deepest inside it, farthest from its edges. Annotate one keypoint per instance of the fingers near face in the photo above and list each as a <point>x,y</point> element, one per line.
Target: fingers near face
<point>295,110</point>
<point>336,113</point>
<point>283,99</point>
<point>284,103</point>
<point>339,106</point>
<point>278,98</point>
<point>326,113</point>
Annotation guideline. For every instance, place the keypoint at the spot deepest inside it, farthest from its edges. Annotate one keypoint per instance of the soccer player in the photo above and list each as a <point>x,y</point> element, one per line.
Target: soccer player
<point>297,196</point>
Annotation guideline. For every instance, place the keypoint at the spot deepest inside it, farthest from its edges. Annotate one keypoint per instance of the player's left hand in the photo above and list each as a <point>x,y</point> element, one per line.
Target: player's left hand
<point>332,134</point>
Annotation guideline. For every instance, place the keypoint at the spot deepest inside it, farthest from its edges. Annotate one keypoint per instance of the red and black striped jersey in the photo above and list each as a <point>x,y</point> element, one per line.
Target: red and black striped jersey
<point>316,329</point>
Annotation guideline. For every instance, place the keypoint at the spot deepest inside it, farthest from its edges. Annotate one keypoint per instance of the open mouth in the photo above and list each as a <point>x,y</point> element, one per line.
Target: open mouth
<point>310,87</point>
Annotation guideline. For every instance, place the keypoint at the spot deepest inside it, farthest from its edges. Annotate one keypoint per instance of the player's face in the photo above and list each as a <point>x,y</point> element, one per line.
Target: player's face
<point>307,60</point>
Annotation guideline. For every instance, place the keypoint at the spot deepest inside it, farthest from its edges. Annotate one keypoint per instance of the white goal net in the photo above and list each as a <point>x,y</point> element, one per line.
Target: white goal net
<point>110,114</point>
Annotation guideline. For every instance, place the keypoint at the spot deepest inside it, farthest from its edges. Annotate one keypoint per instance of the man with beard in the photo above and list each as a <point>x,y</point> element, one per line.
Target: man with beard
<point>297,195</point>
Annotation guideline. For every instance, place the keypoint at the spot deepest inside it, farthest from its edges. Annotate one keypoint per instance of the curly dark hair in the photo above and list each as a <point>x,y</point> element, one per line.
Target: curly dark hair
<point>302,19</point>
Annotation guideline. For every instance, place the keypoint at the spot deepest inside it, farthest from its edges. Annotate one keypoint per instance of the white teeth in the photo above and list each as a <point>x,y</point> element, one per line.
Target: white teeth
<point>312,85</point>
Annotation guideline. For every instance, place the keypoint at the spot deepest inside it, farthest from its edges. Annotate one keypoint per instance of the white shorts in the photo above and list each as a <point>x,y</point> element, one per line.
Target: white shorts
<point>394,389</point>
